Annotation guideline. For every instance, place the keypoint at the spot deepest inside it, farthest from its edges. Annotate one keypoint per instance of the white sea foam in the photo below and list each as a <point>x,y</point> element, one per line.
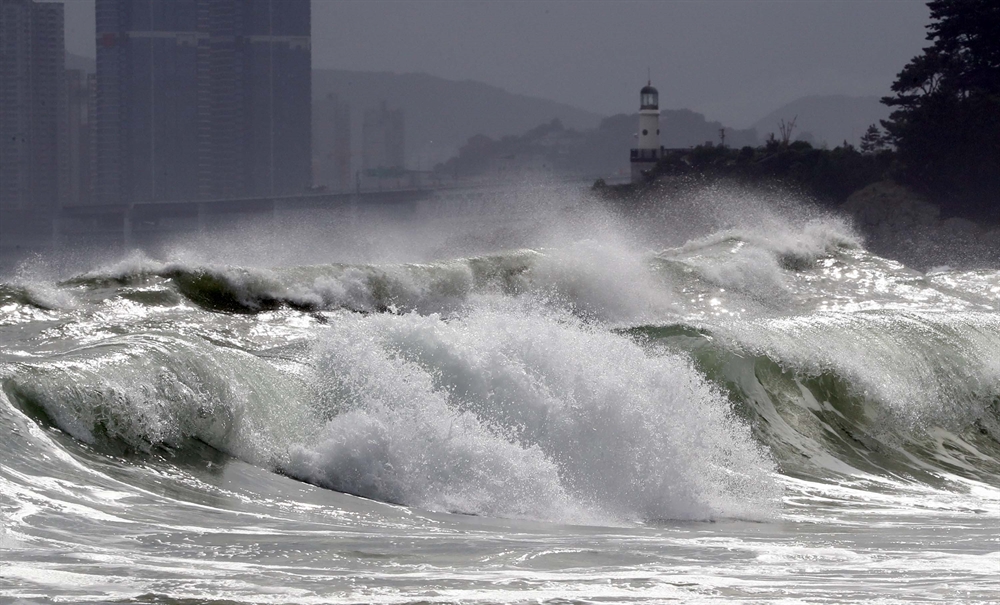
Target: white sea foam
<point>761,262</point>
<point>135,263</point>
<point>603,280</point>
<point>35,278</point>
<point>749,270</point>
<point>795,241</point>
<point>511,411</point>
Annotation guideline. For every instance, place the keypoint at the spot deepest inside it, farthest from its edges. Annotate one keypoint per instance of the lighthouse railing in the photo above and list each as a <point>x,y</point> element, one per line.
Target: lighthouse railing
<point>645,155</point>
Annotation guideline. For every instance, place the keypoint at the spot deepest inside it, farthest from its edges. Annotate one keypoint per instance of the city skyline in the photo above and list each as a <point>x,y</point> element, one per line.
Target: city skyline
<point>733,61</point>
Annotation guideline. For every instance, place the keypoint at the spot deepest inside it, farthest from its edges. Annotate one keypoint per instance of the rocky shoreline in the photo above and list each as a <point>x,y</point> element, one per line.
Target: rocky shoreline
<point>902,224</point>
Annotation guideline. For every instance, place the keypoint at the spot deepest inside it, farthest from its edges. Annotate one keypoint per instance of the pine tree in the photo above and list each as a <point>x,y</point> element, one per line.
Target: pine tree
<point>945,122</point>
<point>873,140</point>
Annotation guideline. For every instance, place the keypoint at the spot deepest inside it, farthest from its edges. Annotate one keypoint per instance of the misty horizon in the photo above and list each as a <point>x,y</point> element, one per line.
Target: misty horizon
<point>734,62</point>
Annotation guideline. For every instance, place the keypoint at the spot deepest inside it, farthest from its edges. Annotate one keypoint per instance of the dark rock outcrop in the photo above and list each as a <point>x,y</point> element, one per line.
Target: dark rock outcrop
<point>902,224</point>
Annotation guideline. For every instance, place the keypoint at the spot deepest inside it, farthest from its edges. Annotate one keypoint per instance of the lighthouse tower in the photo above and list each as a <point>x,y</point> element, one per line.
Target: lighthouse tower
<point>648,150</point>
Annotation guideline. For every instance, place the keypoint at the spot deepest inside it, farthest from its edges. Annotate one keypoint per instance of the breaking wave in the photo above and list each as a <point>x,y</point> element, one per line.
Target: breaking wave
<point>588,383</point>
<point>504,412</point>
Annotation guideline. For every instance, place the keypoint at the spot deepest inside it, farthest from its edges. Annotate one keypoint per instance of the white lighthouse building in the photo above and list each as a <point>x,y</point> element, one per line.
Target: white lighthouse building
<point>648,150</point>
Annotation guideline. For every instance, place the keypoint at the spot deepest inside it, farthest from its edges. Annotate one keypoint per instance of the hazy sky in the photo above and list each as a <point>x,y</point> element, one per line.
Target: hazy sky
<point>734,60</point>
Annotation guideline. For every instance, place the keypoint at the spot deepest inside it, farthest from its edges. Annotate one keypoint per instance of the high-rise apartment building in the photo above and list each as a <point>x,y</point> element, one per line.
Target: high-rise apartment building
<point>332,143</point>
<point>383,139</point>
<point>32,112</point>
<point>147,99</point>
<point>277,93</point>
<point>75,176</point>
<point>202,99</point>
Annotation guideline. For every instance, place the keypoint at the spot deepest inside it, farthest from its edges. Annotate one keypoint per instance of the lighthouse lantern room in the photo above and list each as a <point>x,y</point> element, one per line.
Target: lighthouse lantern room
<point>648,150</point>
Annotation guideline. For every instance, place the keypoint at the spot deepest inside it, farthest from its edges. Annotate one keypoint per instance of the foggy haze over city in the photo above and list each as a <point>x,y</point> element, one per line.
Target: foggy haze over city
<point>732,60</point>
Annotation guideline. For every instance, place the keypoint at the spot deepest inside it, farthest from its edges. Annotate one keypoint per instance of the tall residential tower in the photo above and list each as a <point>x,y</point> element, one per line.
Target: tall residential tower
<point>202,99</point>
<point>332,143</point>
<point>33,153</point>
<point>383,139</point>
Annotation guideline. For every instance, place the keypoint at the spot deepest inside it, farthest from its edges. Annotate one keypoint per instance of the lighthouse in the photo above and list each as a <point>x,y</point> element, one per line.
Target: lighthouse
<point>648,150</point>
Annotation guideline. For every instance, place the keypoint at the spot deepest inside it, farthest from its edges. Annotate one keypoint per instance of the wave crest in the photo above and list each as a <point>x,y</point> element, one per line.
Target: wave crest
<point>503,413</point>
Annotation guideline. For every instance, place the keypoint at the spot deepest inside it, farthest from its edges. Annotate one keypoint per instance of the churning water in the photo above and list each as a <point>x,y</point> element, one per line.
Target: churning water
<point>738,403</point>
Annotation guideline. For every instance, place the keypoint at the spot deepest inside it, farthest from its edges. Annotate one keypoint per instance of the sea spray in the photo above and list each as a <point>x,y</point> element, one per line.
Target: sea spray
<point>513,410</point>
<point>159,424</point>
<point>604,281</point>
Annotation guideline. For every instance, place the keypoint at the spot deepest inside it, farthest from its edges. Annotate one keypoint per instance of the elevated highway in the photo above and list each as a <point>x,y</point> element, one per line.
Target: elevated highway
<point>149,225</point>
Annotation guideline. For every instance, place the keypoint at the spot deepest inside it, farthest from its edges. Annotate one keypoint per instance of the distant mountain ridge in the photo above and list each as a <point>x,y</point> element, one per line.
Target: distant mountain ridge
<point>442,114</point>
<point>830,119</point>
<point>601,152</point>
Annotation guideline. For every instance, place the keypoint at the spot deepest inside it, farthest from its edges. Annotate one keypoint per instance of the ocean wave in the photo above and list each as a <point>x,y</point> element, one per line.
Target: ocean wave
<point>150,393</point>
<point>32,285</point>
<point>512,412</point>
<point>795,246</point>
<point>363,288</point>
<point>585,383</point>
<point>604,279</point>
<point>39,296</point>
<point>508,411</point>
<point>594,278</point>
<point>880,393</point>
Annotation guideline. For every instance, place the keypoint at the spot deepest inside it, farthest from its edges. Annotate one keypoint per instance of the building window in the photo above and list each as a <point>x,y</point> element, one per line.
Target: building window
<point>644,132</point>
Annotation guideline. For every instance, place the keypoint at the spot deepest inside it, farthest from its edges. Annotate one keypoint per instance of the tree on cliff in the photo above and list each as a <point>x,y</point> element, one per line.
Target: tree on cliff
<point>873,140</point>
<point>946,119</point>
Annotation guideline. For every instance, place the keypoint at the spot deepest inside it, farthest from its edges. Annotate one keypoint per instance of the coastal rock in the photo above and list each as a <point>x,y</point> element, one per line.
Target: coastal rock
<point>991,237</point>
<point>889,205</point>
<point>961,227</point>
<point>900,223</point>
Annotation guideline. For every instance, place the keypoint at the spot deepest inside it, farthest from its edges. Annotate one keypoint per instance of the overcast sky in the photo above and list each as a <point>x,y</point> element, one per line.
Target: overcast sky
<point>733,60</point>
